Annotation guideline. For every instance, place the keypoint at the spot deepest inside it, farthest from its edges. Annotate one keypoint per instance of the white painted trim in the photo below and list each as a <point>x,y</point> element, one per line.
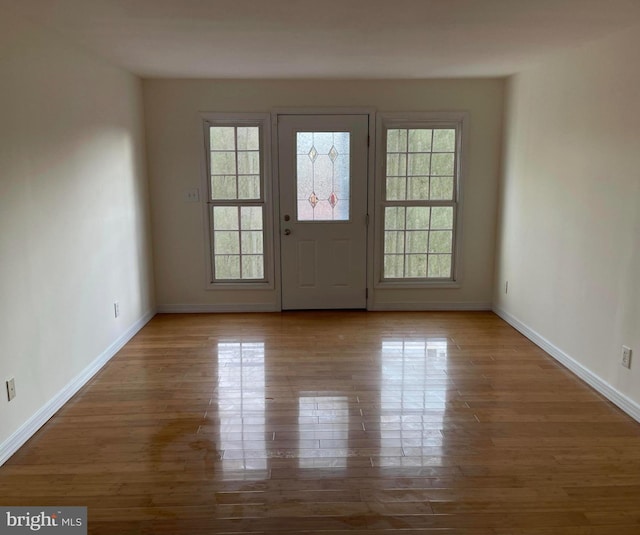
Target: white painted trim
<point>275,196</point>
<point>306,110</point>
<point>371,210</point>
<point>457,119</point>
<point>612,394</point>
<point>213,308</point>
<point>412,283</point>
<point>31,426</point>
<point>262,120</point>
<point>427,307</point>
<point>277,113</point>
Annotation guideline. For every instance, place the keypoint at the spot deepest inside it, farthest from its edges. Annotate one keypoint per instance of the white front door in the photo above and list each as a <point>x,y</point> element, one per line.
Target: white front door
<point>323,210</point>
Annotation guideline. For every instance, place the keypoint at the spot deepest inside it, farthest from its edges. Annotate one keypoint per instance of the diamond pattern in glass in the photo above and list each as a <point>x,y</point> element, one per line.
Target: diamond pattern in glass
<point>323,176</point>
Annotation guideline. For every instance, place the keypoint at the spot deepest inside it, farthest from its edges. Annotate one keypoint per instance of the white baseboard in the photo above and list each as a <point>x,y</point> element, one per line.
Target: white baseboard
<point>29,428</point>
<point>205,309</point>
<point>268,307</point>
<point>429,307</point>
<point>616,397</point>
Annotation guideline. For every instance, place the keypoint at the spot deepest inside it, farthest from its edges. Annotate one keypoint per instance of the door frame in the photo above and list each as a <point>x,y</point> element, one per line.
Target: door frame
<point>275,173</point>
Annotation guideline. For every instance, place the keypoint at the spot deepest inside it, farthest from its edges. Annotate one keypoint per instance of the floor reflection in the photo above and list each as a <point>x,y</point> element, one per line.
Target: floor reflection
<point>241,406</point>
<point>413,399</point>
<point>404,399</point>
<point>323,427</point>
<point>334,423</point>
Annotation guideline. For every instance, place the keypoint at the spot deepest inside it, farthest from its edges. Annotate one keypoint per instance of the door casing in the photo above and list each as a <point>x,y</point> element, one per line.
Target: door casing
<point>371,113</point>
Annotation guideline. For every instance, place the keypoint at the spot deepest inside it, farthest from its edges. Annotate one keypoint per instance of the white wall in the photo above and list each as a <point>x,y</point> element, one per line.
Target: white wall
<point>174,144</point>
<point>569,236</point>
<point>74,232</point>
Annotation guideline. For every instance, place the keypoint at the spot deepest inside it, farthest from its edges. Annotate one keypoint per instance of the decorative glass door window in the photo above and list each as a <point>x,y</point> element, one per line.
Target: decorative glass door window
<point>323,176</point>
<point>236,202</point>
<point>420,190</point>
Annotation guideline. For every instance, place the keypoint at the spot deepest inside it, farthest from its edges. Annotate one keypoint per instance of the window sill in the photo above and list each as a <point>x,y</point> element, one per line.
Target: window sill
<point>427,285</point>
<point>240,286</point>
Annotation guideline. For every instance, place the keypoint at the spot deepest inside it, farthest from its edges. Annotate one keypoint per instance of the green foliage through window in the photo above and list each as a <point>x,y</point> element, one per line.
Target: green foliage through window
<point>419,203</point>
<point>237,207</point>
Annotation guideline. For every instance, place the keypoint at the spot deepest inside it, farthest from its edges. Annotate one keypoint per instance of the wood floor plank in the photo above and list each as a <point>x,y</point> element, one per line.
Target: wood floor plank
<point>333,423</point>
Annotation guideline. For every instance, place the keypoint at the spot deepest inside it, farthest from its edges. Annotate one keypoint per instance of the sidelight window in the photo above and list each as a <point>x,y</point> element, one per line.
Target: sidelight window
<point>419,179</point>
<point>237,211</point>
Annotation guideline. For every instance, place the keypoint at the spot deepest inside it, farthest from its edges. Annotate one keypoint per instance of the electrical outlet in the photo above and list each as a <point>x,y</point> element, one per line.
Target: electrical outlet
<point>506,287</point>
<point>116,308</point>
<point>11,389</point>
<point>626,357</point>
<point>192,195</point>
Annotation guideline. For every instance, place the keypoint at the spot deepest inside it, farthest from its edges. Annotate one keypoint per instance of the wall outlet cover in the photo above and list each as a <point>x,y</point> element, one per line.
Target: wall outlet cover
<point>11,389</point>
<point>192,195</point>
<point>626,357</point>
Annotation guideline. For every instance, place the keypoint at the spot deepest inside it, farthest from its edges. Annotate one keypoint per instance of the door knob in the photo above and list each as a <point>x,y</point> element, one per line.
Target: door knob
<point>287,231</point>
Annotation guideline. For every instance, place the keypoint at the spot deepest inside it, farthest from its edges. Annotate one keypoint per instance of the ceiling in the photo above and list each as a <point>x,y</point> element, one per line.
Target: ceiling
<point>330,39</point>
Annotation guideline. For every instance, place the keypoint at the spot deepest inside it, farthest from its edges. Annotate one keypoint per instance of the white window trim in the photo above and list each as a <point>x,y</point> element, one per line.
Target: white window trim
<point>385,120</point>
<point>238,119</point>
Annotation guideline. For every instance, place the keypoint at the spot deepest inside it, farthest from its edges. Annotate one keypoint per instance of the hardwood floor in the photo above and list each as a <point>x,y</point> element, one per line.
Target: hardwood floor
<point>334,423</point>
